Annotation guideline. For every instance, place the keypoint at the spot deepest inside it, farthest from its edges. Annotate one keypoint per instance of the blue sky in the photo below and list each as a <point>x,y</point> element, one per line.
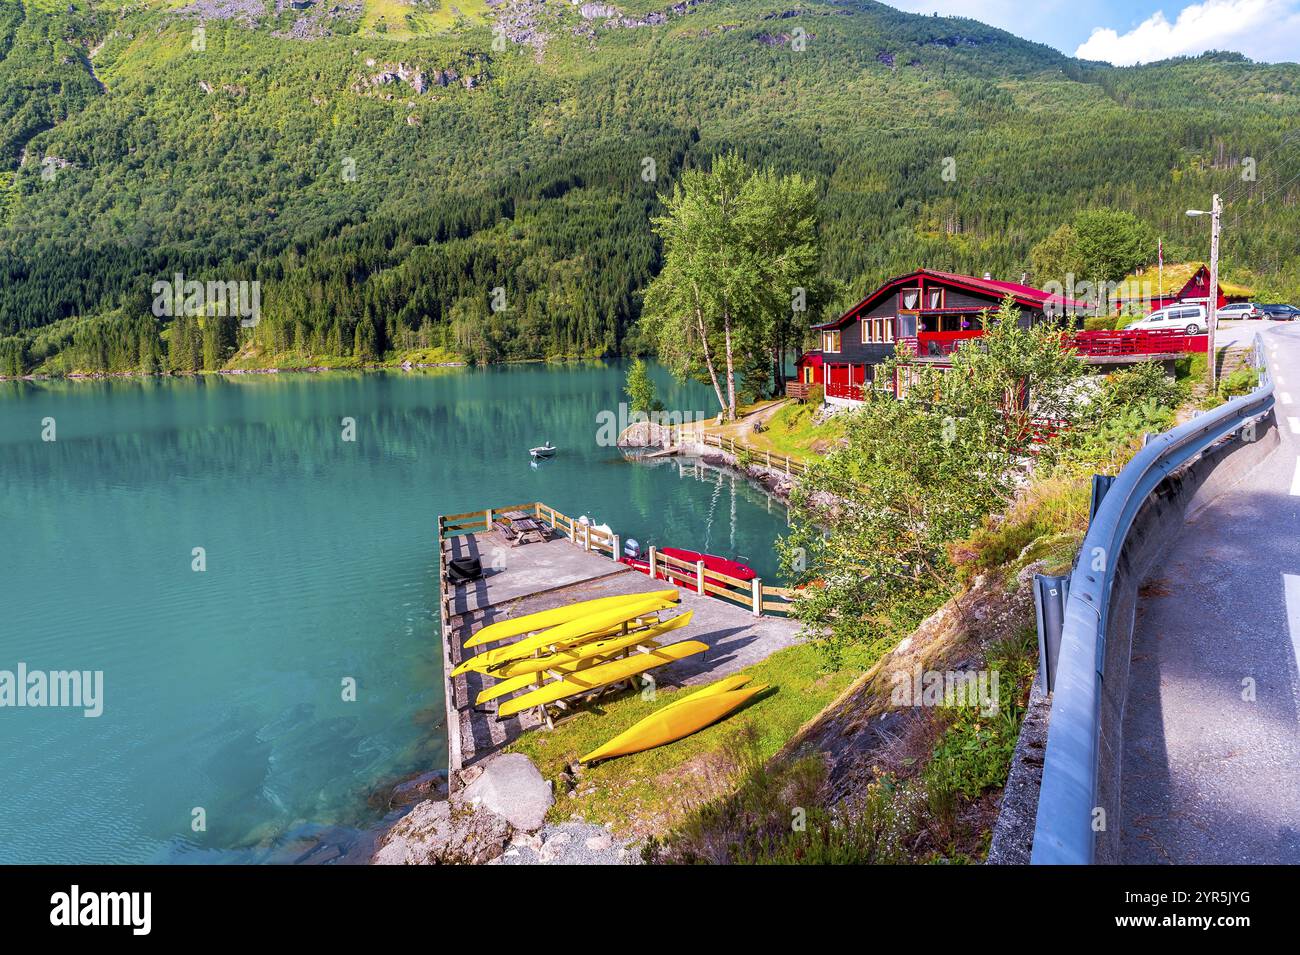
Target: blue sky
<point>1138,31</point>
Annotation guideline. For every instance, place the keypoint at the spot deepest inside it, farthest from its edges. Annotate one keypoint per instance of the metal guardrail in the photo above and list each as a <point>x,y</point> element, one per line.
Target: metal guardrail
<point>1063,829</point>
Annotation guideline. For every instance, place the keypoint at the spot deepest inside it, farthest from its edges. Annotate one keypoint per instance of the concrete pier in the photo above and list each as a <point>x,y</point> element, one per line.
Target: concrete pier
<point>539,576</point>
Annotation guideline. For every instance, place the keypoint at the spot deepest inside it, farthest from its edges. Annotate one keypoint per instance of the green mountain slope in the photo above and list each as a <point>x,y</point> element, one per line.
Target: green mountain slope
<point>382,166</point>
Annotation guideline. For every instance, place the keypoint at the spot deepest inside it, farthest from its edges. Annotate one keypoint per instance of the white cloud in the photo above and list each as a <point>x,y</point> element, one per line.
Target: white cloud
<point>1266,30</point>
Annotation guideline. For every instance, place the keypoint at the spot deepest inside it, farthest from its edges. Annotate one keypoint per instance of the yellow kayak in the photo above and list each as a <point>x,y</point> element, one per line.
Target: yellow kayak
<point>526,680</point>
<point>725,685</point>
<point>675,721</point>
<point>581,630</point>
<point>575,658</point>
<point>601,675</point>
<point>504,629</point>
<point>593,648</point>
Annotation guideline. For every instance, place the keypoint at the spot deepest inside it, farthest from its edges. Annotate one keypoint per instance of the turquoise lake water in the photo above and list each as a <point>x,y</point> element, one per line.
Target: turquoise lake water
<point>223,689</point>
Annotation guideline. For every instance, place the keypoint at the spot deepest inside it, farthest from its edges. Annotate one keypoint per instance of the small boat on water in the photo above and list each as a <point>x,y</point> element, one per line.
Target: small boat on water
<point>664,571</point>
<point>603,528</point>
<point>545,451</point>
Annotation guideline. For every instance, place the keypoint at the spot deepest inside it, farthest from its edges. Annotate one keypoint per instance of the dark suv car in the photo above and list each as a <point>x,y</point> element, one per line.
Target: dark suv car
<point>1281,313</point>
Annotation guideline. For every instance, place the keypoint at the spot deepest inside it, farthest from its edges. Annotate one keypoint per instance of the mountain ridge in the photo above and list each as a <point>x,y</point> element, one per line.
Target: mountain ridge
<point>481,161</point>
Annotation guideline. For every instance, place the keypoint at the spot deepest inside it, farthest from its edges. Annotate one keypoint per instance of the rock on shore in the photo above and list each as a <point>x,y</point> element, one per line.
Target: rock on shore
<point>506,799</point>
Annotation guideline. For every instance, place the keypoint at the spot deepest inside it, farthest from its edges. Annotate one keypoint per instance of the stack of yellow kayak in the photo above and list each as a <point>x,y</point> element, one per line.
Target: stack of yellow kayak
<point>680,718</point>
<point>505,629</point>
<point>579,648</point>
<point>522,673</point>
<point>582,629</point>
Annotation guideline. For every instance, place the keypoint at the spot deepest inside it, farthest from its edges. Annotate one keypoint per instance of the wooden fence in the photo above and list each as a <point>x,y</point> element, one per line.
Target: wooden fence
<point>754,595</point>
<point>773,462</point>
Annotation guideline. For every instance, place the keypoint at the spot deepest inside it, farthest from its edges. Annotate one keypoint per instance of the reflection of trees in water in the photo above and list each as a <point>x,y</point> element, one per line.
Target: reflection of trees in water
<point>138,431</point>
<point>725,527</point>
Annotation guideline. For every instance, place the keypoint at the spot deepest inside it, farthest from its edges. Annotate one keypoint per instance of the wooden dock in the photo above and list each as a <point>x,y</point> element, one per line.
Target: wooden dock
<point>743,622</point>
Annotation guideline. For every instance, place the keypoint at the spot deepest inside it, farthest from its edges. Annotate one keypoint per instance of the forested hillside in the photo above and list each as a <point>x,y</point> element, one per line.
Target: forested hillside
<point>411,178</point>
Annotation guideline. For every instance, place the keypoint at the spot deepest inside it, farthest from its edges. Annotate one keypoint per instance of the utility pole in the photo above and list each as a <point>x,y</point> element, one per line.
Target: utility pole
<point>1212,294</point>
<point>1212,299</point>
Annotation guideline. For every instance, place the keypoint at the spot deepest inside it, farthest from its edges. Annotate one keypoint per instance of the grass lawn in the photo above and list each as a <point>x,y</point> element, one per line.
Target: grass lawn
<point>650,791</point>
<point>401,21</point>
<point>789,430</point>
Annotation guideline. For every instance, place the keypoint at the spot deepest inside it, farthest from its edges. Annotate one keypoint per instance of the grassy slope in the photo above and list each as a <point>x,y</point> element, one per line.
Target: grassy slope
<point>649,792</point>
<point>788,430</point>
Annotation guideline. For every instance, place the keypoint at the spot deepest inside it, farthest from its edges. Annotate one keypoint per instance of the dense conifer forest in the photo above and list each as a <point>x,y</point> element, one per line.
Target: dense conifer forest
<point>421,181</point>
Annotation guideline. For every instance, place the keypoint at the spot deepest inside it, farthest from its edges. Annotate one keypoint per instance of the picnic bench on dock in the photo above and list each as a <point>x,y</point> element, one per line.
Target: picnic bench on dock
<point>517,527</point>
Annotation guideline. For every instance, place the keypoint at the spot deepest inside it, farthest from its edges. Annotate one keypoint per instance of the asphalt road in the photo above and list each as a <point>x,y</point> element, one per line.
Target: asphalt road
<point>1211,771</point>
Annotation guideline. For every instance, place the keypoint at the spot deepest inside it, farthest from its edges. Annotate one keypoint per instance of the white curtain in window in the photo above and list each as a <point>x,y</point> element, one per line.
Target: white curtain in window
<point>936,296</point>
<point>910,297</point>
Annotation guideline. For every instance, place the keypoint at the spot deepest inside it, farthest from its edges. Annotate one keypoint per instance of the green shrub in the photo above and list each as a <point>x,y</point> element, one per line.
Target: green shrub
<point>1240,382</point>
<point>1137,386</point>
<point>974,753</point>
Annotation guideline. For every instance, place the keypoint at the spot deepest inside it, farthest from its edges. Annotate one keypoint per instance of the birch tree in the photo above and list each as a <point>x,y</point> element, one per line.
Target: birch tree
<point>736,246</point>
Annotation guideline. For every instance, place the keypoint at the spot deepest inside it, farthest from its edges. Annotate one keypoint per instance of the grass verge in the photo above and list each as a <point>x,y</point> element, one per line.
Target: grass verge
<point>648,792</point>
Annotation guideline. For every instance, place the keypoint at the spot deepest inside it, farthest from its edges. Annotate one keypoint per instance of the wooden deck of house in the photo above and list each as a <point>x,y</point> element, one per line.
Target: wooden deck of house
<point>577,564</point>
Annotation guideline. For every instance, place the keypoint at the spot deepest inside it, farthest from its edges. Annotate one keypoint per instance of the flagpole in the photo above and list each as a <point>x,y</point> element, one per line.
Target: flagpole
<point>1160,258</point>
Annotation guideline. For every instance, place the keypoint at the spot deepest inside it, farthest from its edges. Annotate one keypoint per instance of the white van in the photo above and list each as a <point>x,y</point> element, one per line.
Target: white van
<point>1189,319</point>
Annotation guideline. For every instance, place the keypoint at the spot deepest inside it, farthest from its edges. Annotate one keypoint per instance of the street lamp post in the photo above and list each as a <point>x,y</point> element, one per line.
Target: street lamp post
<point>1212,295</point>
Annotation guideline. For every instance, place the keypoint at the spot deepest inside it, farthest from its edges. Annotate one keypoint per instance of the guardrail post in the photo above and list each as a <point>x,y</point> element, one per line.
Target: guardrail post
<point>757,589</point>
<point>615,555</point>
<point>1049,610</point>
<point>699,577</point>
<point>1100,485</point>
<point>487,519</point>
<point>654,555</point>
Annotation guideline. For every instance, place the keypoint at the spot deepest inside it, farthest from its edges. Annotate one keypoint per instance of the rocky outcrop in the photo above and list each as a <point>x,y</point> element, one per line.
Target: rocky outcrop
<point>425,786</point>
<point>781,39</point>
<point>511,787</point>
<point>419,79</point>
<point>444,833</point>
<point>313,19</point>
<point>505,798</point>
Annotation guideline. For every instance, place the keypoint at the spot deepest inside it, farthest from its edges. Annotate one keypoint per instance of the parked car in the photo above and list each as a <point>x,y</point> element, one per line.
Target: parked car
<point>1281,312</point>
<point>1189,319</point>
<point>1239,310</point>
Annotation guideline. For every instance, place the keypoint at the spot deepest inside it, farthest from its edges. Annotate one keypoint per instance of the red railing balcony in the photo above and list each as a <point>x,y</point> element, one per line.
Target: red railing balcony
<point>1105,344</point>
<point>844,390</point>
<point>941,344</point>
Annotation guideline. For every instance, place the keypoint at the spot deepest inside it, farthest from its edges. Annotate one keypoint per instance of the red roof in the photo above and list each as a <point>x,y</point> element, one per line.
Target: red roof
<point>1025,295</point>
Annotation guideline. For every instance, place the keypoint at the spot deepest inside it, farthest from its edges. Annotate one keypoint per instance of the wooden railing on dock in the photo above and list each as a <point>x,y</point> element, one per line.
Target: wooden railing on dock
<point>754,595</point>
<point>773,462</point>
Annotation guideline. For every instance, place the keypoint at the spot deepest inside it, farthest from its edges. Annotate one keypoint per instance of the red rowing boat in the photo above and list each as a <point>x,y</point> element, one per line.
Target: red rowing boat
<point>721,565</point>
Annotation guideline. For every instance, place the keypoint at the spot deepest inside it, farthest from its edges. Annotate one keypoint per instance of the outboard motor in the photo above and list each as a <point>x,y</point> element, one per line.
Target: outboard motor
<point>631,548</point>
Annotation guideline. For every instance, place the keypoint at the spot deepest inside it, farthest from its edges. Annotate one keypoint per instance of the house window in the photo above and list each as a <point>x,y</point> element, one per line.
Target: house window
<point>877,330</point>
<point>909,299</point>
<point>934,298</point>
<point>831,341</point>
